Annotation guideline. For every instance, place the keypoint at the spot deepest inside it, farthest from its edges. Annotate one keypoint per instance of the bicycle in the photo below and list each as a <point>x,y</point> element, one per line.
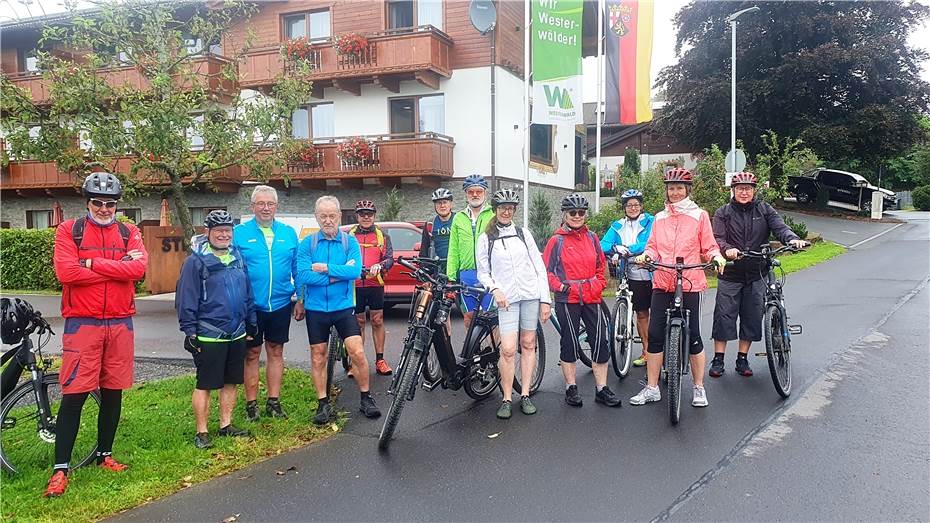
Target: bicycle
<point>336,351</point>
<point>621,321</point>
<point>676,362</point>
<point>777,331</point>
<point>476,372</point>
<point>28,412</point>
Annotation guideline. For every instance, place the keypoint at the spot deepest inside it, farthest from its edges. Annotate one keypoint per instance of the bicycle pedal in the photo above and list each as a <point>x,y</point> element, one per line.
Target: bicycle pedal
<point>795,329</point>
<point>637,339</point>
<point>760,354</point>
<point>430,385</point>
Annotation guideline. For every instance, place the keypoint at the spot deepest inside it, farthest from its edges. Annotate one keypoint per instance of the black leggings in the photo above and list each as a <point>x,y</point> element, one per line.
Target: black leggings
<point>69,419</point>
<point>661,301</point>
<point>596,324</point>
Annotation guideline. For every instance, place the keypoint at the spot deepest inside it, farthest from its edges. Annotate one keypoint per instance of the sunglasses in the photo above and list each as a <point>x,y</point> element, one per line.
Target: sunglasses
<point>576,213</point>
<point>110,204</point>
<point>365,214</point>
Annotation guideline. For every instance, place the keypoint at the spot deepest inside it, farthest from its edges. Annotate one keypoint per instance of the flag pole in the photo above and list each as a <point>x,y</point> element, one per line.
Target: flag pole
<point>598,112</point>
<point>526,112</point>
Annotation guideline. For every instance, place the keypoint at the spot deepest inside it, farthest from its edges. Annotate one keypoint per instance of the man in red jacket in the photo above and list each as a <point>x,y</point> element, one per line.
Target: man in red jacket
<point>97,260</point>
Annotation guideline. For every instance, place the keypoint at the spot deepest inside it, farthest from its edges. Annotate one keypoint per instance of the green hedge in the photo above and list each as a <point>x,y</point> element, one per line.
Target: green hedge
<point>921,197</point>
<point>26,259</point>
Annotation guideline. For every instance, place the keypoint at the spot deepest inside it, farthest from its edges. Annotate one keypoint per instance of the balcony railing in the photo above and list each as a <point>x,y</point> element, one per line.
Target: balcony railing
<point>206,70</point>
<point>423,53</point>
<point>393,155</point>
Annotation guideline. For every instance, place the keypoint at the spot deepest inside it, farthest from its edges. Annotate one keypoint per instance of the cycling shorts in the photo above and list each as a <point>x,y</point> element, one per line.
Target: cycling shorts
<point>596,324</point>
<point>273,327</point>
<point>96,354</point>
<point>661,301</point>
<point>319,324</point>
<point>642,294</point>
<point>220,363</point>
<point>743,300</point>
<point>521,315</point>
<point>371,298</point>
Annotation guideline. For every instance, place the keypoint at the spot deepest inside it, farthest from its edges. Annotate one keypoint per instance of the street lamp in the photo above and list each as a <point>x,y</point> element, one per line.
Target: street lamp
<point>732,19</point>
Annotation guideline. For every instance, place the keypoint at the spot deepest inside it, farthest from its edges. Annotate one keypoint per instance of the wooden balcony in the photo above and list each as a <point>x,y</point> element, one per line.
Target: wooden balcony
<point>420,53</point>
<point>206,71</point>
<point>407,158</point>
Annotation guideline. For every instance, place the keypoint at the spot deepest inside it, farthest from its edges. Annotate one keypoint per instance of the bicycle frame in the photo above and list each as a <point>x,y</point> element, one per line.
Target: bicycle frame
<point>682,319</point>
<point>27,355</point>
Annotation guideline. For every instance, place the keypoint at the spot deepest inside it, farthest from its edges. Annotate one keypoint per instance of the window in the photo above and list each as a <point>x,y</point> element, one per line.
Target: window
<point>410,13</point>
<point>38,219</point>
<point>194,45</point>
<point>314,25</point>
<point>313,121</point>
<point>418,115</point>
<point>403,239</point>
<point>541,143</point>
<point>195,133</point>
<point>199,213</point>
<point>28,61</point>
<point>133,214</point>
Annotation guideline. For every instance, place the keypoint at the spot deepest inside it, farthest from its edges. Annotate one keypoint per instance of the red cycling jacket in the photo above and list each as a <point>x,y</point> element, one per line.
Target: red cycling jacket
<point>107,289</point>
<point>583,263</point>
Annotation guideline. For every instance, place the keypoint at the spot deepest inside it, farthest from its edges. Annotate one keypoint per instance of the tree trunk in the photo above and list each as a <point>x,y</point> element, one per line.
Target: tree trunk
<point>180,205</point>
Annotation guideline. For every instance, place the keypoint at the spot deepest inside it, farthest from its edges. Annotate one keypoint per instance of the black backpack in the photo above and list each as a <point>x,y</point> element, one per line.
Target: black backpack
<point>77,234</point>
<point>495,237</point>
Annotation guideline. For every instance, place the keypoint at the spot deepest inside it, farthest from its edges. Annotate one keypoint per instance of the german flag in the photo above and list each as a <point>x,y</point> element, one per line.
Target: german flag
<point>629,56</point>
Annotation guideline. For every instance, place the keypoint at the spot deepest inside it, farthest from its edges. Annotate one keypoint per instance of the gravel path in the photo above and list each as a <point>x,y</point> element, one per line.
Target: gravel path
<point>154,369</point>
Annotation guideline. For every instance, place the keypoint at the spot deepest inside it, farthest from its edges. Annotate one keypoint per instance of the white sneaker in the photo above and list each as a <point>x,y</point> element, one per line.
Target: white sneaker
<point>700,397</point>
<point>646,395</point>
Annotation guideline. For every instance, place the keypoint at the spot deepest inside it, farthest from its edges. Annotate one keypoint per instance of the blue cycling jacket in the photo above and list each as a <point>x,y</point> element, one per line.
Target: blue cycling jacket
<point>271,271</point>
<point>214,300</point>
<point>334,290</point>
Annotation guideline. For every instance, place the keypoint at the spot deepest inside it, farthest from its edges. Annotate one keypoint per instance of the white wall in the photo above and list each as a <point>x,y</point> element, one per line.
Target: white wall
<point>647,161</point>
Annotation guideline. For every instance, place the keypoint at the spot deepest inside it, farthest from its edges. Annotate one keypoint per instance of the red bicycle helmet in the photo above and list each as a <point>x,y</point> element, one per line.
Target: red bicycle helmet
<point>678,175</point>
<point>744,178</point>
<point>365,205</point>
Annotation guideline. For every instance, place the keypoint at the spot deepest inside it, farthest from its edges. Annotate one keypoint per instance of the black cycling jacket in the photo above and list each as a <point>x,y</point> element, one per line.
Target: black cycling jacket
<point>746,227</point>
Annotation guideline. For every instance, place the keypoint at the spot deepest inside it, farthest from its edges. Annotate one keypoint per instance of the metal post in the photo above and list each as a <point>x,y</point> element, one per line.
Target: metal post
<point>600,88</point>
<point>526,111</point>
<point>732,168</point>
<point>493,110</point>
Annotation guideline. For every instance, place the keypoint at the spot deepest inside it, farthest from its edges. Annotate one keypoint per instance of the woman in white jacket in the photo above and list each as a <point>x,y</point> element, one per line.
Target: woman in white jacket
<point>509,263</point>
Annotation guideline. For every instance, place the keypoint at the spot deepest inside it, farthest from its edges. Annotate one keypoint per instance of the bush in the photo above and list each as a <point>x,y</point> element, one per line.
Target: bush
<point>709,192</point>
<point>921,197</point>
<point>798,227</point>
<point>393,206</point>
<point>600,221</point>
<point>650,184</point>
<point>26,259</point>
<point>540,217</point>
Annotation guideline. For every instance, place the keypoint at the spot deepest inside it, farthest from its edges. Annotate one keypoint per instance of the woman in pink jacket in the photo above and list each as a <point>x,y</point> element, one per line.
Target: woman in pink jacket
<point>681,230</point>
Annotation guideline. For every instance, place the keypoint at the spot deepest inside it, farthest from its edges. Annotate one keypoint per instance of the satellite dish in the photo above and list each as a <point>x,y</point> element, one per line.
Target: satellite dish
<point>483,15</point>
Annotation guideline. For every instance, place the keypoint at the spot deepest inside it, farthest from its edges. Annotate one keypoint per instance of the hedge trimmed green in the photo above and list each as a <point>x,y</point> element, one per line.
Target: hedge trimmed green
<point>26,259</point>
<point>921,197</point>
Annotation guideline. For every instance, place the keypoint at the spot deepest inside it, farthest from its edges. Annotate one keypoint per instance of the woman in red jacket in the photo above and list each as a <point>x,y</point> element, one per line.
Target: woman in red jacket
<point>575,264</point>
<point>681,230</point>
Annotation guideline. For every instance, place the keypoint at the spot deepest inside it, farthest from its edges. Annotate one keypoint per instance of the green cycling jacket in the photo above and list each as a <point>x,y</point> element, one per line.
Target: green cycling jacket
<point>462,241</point>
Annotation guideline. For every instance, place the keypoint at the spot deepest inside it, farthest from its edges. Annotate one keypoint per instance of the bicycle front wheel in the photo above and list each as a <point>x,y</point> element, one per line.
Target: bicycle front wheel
<point>621,355</point>
<point>27,442</point>
<point>673,354</point>
<point>336,350</point>
<point>777,350</point>
<point>407,371</point>
<point>538,371</point>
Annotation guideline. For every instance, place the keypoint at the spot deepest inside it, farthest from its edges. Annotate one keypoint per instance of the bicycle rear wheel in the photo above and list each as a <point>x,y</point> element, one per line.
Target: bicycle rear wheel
<point>26,445</point>
<point>407,370</point>
<point>778,350</point>
<point>673,354</point>
<point>336,350</point>
<point>540,368</point>
<point>482,356</point>
<point>621,354</point>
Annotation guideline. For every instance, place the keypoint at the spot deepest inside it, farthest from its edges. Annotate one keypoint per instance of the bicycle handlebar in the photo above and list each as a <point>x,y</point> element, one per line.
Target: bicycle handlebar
<point>767,252</point>
<point>654,265</point>
<point>438,280</point>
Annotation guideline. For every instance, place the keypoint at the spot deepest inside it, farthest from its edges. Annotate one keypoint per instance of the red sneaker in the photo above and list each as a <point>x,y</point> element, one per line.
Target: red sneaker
<point>383,368</point>
<point>111,464</point>
<point>56,484</point>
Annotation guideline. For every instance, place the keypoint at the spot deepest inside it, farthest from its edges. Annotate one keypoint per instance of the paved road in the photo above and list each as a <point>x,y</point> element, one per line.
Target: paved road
<point>845,232</point>
<point>851,443</point>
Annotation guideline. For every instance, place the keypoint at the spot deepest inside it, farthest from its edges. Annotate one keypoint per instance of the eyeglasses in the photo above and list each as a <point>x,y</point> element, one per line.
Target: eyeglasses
<point>365,214</point>
<point>475,193</point>
<point>633,206</point>
<point>265,205</point>
<point>507,208</point>
<point>110,204</point>
<point>577,212</point>
<point>744,188</point>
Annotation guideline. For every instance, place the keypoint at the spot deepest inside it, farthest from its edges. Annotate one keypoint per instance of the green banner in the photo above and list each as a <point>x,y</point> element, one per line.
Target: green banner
<point>556,38</point>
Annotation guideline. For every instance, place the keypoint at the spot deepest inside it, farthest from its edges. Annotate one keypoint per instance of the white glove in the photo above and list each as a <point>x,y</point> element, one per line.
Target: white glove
<point>375,269</point>
<point>622,250</point>
<point>798,244</point>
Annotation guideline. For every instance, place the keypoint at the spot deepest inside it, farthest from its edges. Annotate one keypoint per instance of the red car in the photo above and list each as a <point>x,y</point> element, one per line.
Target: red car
<point>405,240</point>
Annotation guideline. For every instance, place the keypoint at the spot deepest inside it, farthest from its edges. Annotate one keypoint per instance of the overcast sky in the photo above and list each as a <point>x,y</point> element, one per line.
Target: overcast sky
<point>663,47</point>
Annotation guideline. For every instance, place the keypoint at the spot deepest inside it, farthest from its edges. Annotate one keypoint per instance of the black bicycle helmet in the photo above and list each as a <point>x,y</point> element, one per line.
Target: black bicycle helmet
<point>217,218</point>
<point>505,196</point>
<point>102,184</point>
<point>15,317</point>
<point>575,201</point>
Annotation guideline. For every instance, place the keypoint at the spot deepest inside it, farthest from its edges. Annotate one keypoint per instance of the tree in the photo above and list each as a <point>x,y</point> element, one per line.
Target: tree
<point>540,217</point>
<point>709,175</point>
<point>779,159</point>
<point>838,75</point>
<point>393,206</point>
<point>156,121</point>
<point>631,162</point>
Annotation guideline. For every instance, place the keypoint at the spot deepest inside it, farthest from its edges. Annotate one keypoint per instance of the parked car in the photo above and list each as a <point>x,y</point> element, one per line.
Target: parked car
<point>846,190</point>
<point>405,240</point>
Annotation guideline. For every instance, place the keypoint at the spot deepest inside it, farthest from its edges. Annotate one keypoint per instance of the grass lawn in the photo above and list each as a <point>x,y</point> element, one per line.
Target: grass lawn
<point>155,439</point>
<point>46,292</point>
<point>793,262</point>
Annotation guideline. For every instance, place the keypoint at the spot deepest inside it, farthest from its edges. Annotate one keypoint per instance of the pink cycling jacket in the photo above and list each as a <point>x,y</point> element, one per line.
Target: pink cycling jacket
<point>682,229</point>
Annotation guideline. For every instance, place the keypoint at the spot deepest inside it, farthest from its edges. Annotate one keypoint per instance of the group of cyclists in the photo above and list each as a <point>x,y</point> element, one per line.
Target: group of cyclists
<point>243,284</point>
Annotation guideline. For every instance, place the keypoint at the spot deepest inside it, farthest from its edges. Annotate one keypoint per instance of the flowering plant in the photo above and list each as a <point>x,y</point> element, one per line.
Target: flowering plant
<point>355,150</point>
<point>306,154</point>
<point>297,49</point>
<point>351,44</point>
